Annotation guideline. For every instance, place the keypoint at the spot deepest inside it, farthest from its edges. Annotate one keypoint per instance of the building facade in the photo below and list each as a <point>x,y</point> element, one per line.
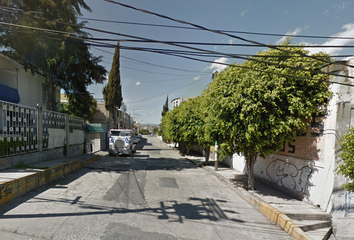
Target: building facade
<point>177,101</point>
<point>26,88</point>
<point>103,119</point>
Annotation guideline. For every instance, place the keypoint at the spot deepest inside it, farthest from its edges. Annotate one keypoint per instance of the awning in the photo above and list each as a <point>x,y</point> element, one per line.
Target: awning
<point>9,94</point>
<point>94,129</point>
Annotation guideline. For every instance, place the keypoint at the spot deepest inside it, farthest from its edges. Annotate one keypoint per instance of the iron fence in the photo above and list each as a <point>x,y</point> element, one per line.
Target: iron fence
<point>18,129</point>
<point>21,126</point>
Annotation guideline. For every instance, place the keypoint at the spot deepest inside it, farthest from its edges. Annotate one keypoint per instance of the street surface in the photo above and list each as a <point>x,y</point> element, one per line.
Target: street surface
<point>155,194</point>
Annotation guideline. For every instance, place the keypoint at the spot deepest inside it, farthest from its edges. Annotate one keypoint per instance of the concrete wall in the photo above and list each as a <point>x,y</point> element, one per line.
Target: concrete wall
<point>239,163</point>
<point>56,137</point>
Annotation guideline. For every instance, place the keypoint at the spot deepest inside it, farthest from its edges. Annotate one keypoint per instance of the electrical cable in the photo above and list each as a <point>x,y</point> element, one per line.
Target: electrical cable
<point>135,48</point>
<point>147,63</point>
<point>180,21</point>
<point>168,92</point>
<point>215,31</point>
<point>16,10</point>
<point>219,44</point>
<point>258,70</point>
<point>165,80</point>
<point>213,52</point>
<point>226,31</point>
<point>60,32</point>
<point>154,72</point>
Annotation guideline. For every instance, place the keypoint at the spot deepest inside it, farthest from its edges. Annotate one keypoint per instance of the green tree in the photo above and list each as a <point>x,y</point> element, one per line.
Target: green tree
<point>170,126</point>
<point>191,117</point>
<point>165,108</point>
<point>255,112</point>
<point>155,130</point>
<point>112,92</point>
<point>346,158</point>
<point>55,56</point>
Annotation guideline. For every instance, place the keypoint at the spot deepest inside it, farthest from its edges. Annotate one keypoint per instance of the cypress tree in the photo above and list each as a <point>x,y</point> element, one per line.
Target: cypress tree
<point>112,92</point>
<point>165,108</point>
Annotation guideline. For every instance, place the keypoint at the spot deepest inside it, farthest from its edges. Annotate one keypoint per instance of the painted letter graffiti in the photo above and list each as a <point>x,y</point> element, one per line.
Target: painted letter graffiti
<point>289,176</point>
<point>5,190</point>
<point>348,206</point>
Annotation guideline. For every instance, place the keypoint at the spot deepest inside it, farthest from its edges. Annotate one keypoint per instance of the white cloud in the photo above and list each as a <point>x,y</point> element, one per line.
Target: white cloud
<point>217,66</point>
<point>138,83</point>
<point>232,40</point>
<point>295,32</point>
<point>326,13</point>
<point>341,6</point>
<point>348,32</point>
<point>196,78</point>
<point>243,13</point>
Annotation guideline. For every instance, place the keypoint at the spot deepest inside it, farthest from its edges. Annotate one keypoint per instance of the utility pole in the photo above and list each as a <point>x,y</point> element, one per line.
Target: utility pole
<point>135,114</point>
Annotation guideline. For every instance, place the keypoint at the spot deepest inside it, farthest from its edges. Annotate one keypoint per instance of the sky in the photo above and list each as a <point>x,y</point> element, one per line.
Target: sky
<point>149,78</point>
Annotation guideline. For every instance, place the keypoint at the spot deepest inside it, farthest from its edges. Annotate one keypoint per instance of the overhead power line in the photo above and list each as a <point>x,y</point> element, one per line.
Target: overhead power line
<point>219,44</point>
<point>258,70</point>
<point>225,31</point>
<point>17,10</point>
<point>214,31</point>
<point>178,55</point>
<point>197,49</point>
<point>151,64</point>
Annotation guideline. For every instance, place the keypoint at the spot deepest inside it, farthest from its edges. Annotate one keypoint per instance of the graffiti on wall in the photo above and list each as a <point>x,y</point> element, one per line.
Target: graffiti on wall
<point>5,190</point>
<point>348,206</point>
<point>289,176</point>
<point>305,144</point>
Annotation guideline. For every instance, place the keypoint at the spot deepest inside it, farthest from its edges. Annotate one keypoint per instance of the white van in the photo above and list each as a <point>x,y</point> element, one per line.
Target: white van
<point>121,142</point>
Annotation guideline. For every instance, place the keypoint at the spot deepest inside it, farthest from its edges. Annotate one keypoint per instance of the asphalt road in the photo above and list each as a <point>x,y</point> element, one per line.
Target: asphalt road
<point>155,194</point>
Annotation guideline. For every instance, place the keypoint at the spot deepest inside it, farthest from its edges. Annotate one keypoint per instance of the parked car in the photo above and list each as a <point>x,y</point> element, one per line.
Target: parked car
<point>136,140</point>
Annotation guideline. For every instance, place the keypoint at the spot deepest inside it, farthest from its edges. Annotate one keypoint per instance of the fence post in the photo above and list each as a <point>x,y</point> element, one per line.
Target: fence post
<point>67,130</point>
<point>40,128</point>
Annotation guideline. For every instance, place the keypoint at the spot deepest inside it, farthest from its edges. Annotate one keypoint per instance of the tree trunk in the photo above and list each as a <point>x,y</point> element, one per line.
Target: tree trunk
<point>207,154</point>
<point>251,159</point>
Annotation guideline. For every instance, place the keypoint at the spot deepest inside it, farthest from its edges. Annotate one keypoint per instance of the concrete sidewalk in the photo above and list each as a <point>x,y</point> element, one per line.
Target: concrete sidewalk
<point>15,182</point>
<point>300,219</point>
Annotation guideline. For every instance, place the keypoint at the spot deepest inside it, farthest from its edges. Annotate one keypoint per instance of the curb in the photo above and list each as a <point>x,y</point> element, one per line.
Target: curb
<point>14,188</point>
<point>267,210</point>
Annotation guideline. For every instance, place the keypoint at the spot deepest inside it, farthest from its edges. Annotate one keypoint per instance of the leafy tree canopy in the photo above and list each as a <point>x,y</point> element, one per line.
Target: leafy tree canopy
<point>346,158</point>
<point>255,106</point>
<point>65,61</point>
<point>254,111</point>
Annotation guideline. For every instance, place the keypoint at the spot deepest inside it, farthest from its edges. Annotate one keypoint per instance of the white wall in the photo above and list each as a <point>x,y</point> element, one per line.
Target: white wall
<point>29,85</point>
<point>56,137</point>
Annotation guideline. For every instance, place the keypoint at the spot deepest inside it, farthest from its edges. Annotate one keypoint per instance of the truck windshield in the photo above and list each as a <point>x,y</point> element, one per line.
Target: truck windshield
<point>120,133</point>
<point>115,133</point>
<point>124,134</point>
